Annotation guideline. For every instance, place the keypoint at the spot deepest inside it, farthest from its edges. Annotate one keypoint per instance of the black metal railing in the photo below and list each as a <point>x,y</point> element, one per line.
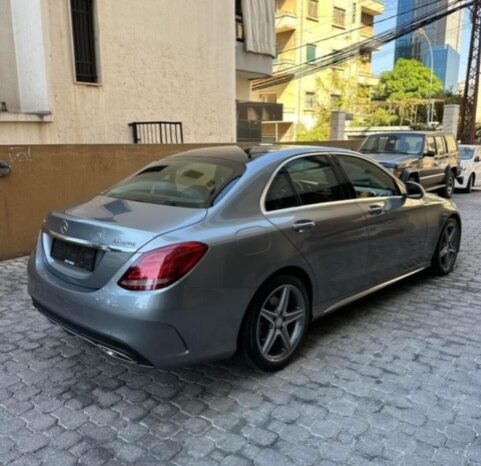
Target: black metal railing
<point>157,132</point>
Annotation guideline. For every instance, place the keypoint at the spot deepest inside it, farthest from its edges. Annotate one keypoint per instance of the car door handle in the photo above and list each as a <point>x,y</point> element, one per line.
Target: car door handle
<point>375,209</point>
<point>303,225</point>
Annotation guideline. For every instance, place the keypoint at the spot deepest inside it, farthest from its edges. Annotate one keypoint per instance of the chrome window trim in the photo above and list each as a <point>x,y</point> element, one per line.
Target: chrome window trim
<point>89,244</point>
<point>327,204</point>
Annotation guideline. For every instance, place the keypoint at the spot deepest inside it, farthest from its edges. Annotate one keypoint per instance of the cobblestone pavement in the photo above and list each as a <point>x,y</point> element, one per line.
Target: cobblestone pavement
<point>393,379</point>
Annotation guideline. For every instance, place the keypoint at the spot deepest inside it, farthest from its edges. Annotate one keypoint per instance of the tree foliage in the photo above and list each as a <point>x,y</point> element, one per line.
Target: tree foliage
<point>409,79</point>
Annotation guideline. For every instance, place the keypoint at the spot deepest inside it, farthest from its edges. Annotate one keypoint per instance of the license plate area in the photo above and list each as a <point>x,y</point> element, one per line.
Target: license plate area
<point>75,255</point>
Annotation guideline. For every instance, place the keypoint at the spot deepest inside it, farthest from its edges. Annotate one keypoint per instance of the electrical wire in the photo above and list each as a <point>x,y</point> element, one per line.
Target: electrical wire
<point>312,62</point>
<point>357,49</point>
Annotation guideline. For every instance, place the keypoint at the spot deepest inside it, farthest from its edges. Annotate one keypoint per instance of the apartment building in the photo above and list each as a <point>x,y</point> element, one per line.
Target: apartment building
<point>443,38</point>
<point>305,31</point>
<point>82,71</point>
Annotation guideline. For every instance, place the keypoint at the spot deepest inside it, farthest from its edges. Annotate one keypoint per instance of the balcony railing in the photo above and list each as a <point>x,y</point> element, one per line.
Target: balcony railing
<point>157,132</point>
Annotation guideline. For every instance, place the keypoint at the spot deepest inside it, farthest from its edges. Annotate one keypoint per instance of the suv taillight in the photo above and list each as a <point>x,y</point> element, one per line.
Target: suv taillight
<point>162,267</point>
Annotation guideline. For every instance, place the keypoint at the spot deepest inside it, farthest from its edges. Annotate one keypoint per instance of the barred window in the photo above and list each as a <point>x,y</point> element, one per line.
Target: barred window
<point>83,31</point>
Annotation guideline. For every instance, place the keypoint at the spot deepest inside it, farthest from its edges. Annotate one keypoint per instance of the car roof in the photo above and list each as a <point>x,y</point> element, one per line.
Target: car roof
<point>413,133</point>
<point>250,154</point>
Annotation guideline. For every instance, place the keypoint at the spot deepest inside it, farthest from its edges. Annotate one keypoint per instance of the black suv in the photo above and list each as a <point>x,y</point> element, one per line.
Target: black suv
<point>429,158</point>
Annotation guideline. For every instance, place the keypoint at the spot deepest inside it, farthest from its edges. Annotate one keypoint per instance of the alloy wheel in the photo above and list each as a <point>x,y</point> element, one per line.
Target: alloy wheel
<point>449,246</point>
<point>281,323</point>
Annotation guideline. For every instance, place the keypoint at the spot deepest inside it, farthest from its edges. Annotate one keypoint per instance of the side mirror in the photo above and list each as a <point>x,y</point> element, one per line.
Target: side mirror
<point>414,190</point>
<point>5,168</point>
<point>477,158</point>
<point>430,153</point>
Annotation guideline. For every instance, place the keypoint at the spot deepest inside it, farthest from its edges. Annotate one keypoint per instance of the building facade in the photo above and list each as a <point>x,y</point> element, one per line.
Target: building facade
<point>307,30</point>
<point>80,71</point>
<point>444,36</point>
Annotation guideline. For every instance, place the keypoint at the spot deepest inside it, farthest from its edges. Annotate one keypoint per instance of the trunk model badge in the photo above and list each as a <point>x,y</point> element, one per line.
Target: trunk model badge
<point>64,226</point>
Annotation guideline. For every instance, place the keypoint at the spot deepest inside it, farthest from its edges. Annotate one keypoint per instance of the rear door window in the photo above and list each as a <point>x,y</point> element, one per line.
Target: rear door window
<point>305,181</point>
<point>367,179</point>
<point>182,182</point>
<point>452,145</point>
<point>441,145</point>
<point>431,145</point>
<point>281,194</point>
<point>314,180</point>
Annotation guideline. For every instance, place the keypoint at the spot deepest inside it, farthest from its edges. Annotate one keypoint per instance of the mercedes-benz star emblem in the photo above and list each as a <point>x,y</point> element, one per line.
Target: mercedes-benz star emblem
<point>64,226</point>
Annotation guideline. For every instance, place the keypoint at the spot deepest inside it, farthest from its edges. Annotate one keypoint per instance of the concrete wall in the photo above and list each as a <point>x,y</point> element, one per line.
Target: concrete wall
<point>49,177</point>
<point>158,60</point>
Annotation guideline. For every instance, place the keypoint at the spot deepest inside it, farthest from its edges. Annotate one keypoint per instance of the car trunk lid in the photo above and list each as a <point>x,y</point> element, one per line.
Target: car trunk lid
<point>86,245</point>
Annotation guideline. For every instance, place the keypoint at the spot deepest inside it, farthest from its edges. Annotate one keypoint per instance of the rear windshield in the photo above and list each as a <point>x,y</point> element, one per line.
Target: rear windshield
<point>466,153</point>
<point>183,182</point>
<point>409,144</point>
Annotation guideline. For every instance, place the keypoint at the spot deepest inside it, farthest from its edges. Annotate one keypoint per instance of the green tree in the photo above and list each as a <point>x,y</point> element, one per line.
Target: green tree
<point>409,79</point>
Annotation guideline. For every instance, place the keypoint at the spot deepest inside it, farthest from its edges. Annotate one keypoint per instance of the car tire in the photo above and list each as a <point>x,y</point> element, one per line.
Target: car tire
<point>276,323</point>
<point>447,249</point>
<point>448,190</point>
<point>469,186</point>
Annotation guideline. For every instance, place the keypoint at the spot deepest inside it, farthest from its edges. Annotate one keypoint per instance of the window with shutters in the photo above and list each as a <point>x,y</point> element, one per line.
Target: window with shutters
<point>312,9</point>
<point>83,31</point>
<point>339,17</point>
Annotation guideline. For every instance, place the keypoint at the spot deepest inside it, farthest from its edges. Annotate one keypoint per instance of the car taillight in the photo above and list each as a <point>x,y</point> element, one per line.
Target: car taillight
<point>162,267</point>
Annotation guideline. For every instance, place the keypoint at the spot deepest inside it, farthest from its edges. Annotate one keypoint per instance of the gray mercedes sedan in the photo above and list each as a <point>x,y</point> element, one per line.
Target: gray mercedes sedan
<point>219,250</point>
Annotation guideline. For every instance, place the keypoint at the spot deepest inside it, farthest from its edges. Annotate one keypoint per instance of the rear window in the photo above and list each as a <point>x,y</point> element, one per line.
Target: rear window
<point>411,144</point>
<point>182,182</point>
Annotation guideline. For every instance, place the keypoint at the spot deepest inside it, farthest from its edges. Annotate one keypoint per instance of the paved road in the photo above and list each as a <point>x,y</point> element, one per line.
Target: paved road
<point>394,379</point>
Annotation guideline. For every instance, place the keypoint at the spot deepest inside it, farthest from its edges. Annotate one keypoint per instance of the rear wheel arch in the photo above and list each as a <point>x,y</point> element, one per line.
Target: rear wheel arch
<point>293,271</point>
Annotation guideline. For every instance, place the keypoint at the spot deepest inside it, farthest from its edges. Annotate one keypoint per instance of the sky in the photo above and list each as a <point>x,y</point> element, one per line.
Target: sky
<point>384,59</point>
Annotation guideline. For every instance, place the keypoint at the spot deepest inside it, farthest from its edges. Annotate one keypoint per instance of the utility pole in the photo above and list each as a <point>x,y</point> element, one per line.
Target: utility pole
<point>467,128</point>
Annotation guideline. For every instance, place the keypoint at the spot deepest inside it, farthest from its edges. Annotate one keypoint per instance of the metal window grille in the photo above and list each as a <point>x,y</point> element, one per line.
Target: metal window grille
<point>84,40</point>
<point>157,132</point>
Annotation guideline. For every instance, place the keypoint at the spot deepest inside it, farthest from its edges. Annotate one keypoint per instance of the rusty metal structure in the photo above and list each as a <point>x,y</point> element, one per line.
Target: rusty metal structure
<point>467,126</point>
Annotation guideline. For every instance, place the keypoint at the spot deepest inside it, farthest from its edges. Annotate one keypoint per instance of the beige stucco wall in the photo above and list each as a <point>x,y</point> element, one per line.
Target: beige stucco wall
<point>8,67</point>
<point>159,60</point>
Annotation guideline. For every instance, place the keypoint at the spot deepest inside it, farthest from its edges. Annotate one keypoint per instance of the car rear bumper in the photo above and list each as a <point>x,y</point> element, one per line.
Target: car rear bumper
<point>162,329</point>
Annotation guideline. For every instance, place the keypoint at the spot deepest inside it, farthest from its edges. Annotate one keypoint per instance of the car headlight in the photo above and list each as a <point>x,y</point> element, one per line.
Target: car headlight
<point>463,169</point>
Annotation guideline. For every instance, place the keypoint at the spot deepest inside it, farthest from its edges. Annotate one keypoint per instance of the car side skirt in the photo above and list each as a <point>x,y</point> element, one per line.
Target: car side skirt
<point>367,292</point>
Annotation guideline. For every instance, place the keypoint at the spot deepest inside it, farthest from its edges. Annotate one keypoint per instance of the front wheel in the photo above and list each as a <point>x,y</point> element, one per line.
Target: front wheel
<point>447,249</point>
<point>449,183</point>
<point>276,323</point>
